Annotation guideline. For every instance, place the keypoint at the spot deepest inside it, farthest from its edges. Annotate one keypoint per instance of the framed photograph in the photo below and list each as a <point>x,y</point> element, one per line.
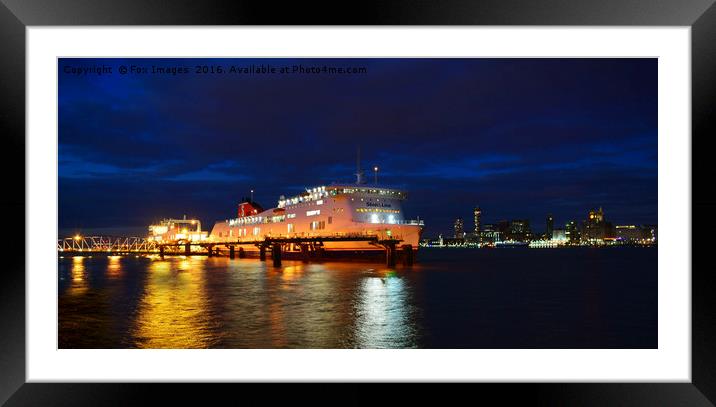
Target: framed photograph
<point>463,193</point>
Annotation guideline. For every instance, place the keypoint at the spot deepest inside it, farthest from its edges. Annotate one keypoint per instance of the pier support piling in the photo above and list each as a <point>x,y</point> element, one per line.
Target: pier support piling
<point>408,255</point>
<point>232,255</point>
<point>276,254</point>
<point>241,253</point>
<point>304,253</point>
<point>211,250</point>
<point>319,253</point>
<point>390,255</point>
<point>262,253</point>
<point>187,249</point>
<point>161,251</point>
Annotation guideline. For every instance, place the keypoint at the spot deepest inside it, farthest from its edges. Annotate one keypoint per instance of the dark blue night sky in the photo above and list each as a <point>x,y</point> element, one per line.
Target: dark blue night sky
<point>518,137</point>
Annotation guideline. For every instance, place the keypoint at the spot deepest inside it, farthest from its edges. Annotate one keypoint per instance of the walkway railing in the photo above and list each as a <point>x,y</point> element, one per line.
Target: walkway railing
<point>107,244</point>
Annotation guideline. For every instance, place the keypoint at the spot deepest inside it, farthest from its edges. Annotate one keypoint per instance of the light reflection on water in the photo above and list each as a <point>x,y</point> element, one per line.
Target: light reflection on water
<point>174,311</point>
<point>382,319</point>
<point>201,302</point>
<point>79,279</point>
<point>114,268</point>
<point>564,298</point>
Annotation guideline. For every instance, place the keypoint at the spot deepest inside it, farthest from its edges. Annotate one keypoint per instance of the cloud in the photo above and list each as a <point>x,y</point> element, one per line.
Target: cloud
<point>525,135</point>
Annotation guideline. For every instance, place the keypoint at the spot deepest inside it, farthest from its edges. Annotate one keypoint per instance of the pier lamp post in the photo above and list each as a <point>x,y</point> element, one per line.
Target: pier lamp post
<point>375,172</point>
<point>252,195</point>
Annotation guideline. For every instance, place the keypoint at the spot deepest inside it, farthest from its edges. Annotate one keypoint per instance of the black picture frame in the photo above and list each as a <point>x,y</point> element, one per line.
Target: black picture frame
<point>16,15</point>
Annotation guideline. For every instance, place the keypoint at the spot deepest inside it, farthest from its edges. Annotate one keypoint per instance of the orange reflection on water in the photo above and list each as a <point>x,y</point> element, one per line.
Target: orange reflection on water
<point>114,268</point>
<point>172,311</point>
<point>78,276</point>
<point>290,273</point>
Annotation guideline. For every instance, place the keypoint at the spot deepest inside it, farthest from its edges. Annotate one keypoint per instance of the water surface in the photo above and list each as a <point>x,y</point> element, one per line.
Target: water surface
<point>453,298</point>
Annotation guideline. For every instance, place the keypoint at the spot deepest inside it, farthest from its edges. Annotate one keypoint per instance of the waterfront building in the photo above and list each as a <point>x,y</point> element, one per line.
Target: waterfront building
<point>629,233</point>
<point>453,242</point>
<point>635,233</point>
<point>596,215</point>
<point>435,242</point>
<point>571,232</point>
<point>490,234</point>
<point>503,227</point>
<point>459,228</point>
<point>519,230</point>
<point>472,239</point>
<point>596,228</point>
<point>559,235</point>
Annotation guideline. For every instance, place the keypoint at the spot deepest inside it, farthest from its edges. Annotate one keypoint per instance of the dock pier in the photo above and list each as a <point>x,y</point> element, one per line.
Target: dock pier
<point>311,248</point>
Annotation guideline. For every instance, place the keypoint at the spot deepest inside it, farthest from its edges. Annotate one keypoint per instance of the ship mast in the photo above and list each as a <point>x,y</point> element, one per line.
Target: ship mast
<point>359,173</point>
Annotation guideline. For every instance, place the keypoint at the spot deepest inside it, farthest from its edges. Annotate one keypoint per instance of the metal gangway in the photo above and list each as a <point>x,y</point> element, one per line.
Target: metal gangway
<point>106,244</point>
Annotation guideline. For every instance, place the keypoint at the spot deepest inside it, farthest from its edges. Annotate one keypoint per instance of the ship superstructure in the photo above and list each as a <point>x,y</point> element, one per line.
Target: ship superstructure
<point>335,210</point>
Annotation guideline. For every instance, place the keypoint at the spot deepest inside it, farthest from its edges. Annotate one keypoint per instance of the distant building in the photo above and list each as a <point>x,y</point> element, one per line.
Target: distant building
<point>459,229</point>
<point>472,239</point>
<point>571,232</point>
<point>629,232</point>
<point>596,215</point>
<point>635,233</point>
<point>519,230</point>
<point>596,228</point>
<point>559,235</point>
<point>550,226</point>
<point>478,214</point>
<point>453,242</point>
<point>490,234</point>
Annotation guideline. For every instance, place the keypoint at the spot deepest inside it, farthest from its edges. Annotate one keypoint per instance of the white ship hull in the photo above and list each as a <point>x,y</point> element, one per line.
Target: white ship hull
<point>327,212</point>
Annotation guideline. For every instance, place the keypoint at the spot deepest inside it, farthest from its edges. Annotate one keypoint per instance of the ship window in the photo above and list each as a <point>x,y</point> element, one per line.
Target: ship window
<point>330,220</point>
<point>290,228</point>
<point>318,225</point>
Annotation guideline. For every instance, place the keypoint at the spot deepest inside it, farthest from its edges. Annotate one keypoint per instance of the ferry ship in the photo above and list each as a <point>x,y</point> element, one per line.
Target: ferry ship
<point>326,211</point>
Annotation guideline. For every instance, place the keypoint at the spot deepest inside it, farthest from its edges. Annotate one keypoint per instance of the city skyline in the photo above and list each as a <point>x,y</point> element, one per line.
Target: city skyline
<point>521,138</point>
<point>557,223</point>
